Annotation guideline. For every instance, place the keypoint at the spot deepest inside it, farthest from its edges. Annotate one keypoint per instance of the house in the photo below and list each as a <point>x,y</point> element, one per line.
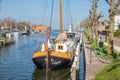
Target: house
<point>41,29</point>
<point>117,22</point>
<point>101,26</point>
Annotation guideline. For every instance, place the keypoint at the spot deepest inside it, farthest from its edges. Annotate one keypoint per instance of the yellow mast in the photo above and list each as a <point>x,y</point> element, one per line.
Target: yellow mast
<point>61,16</point>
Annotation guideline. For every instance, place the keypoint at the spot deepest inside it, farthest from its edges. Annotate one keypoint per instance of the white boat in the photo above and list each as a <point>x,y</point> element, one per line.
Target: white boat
<point>16,32</point>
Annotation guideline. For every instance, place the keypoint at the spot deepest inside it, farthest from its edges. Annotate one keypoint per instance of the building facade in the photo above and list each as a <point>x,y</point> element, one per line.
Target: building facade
<point>117,22</point>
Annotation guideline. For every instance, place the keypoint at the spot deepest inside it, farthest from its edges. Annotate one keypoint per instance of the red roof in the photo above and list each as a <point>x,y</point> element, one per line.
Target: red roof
<point>41,28</point>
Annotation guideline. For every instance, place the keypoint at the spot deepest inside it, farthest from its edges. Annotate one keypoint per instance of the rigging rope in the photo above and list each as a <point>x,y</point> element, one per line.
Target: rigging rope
<point>48,51</point>
<point>39,40</point>
<point>69,12</point>
<point>51,16</point>
<point>44,12</point>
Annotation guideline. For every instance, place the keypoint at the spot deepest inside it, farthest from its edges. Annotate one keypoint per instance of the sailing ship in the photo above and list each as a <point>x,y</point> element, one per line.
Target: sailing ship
<point>57,53</point>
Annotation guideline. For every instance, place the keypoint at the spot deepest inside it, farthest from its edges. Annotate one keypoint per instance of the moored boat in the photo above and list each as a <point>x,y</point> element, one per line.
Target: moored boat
<point>26,32</point>
<point>59,52</point>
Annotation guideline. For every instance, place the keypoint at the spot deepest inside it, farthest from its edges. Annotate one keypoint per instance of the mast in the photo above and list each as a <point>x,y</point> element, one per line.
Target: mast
<point>61,16</point>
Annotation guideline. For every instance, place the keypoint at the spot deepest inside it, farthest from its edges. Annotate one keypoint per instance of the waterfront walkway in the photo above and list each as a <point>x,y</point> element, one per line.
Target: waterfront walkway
<point>93,64</point>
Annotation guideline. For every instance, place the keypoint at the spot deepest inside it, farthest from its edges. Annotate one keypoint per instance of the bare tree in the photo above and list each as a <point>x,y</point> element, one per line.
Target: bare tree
<point>94,20</point>
<point>113,10</point>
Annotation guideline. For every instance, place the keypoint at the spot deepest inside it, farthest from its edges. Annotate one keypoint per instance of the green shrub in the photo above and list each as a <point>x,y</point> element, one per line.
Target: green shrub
<point>110,72</point>
<point>103,53</point>
<point>117,33</point>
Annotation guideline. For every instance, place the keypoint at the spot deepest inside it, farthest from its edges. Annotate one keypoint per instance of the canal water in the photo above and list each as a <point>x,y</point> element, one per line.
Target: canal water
<point>16,61</point>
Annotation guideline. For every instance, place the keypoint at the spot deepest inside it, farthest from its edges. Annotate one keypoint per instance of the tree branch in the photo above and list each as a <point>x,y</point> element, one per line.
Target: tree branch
<point>118,3</point>
<point>100,15</point>
<point>107,1</point>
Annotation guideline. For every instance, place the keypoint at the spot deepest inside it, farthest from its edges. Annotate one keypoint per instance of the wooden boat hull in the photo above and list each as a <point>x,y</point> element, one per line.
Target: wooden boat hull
<point>55,62</point>
<point>58,63</point>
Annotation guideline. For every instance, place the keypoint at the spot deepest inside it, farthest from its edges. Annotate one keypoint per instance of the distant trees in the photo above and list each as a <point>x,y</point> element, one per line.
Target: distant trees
<point>113,9</point>
<point>23,25</point>
<point>9,23</point>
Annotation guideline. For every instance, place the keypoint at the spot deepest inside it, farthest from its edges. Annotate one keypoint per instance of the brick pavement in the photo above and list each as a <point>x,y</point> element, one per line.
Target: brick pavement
<point>93,65</point>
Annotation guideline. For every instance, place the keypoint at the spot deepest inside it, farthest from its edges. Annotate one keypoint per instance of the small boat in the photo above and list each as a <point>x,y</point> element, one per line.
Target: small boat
<point>57,53</point>
<point>16,32</point>
<point>26,32</point>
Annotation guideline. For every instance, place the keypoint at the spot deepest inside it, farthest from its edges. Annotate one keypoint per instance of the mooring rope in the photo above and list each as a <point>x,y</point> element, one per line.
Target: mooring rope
<point>62,76</point>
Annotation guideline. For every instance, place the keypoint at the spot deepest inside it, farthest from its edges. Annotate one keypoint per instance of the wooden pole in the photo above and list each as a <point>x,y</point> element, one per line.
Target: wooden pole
<point>47,60</point>
<point>61,29</point>
<point>47,63</point>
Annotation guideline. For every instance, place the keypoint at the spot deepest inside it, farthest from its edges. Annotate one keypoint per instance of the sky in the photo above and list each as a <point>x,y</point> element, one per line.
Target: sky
<point>33,11</point>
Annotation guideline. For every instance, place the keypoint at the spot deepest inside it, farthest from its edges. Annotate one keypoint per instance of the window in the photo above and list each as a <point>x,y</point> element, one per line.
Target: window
<point>60,47</point>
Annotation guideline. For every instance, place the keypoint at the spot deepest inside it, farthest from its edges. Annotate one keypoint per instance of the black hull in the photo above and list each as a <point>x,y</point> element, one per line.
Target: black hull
<point>25,33</point>
<point>54,62</point>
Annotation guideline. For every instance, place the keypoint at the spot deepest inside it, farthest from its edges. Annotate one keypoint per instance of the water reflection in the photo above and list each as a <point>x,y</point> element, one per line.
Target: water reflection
<point>16,61</point>
<point>40,74</point>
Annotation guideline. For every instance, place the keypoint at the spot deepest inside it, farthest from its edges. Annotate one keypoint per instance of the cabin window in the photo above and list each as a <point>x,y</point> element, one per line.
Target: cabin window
<point>60,47</point>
